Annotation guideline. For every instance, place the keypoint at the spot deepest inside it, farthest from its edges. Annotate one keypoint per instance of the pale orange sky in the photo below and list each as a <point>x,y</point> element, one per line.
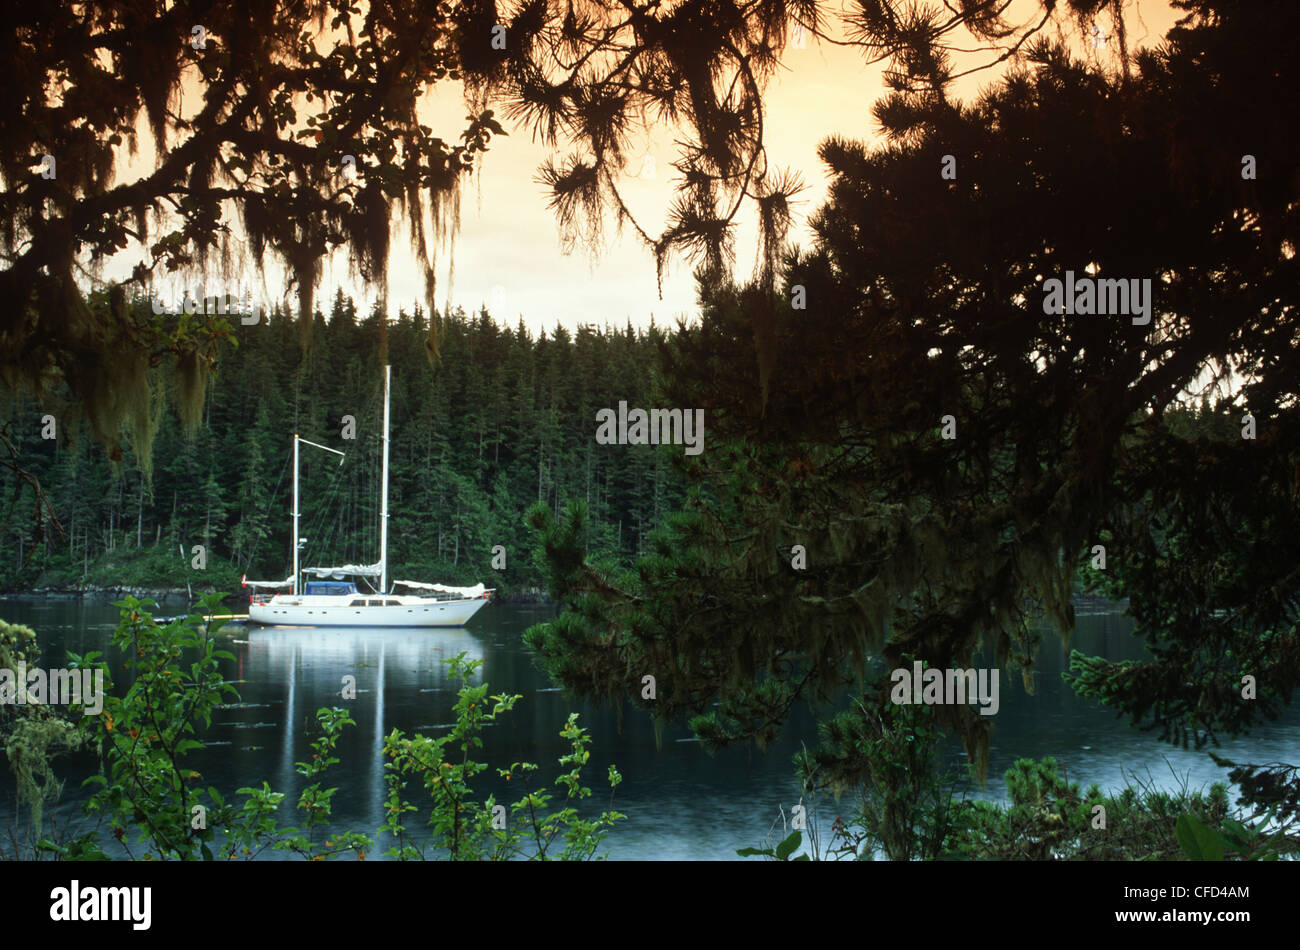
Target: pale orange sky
<point>508,253</point>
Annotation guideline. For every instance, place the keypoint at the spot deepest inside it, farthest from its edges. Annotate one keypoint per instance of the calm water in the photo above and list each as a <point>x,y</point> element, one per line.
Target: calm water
<point>681,803</point>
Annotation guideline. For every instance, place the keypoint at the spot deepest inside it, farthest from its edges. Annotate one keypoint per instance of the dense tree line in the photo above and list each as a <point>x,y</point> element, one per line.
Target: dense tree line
<point>503,421</point>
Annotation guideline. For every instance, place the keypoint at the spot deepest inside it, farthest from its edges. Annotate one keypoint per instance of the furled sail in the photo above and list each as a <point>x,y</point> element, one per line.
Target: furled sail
<point>468,592</point>
<point>338,573</point>
<point>287,582</point>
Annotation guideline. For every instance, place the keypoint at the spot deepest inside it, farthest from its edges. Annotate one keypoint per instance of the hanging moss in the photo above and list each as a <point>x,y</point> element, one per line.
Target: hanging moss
<point>37,735</point>
<point>32,733</point>
<point>144,412</point>
<point>192,372</point>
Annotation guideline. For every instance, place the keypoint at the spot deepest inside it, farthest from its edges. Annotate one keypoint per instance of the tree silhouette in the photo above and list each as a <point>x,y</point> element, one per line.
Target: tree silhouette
<point>924,300</point>
<point>292,128</point>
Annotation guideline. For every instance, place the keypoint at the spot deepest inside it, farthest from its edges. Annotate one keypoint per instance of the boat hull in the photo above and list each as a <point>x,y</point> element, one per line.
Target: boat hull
<point>446,613</point>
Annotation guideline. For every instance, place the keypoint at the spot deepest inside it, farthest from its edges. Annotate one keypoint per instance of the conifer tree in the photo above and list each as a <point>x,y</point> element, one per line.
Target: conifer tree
<point>304,137</point>
<point>923,298</point>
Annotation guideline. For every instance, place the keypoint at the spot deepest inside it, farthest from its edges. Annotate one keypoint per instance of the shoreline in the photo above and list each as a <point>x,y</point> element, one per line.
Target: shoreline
<point>527,595</point>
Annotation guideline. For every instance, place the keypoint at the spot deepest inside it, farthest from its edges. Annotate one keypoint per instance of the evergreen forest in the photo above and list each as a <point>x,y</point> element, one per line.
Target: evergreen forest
<point>504,420</point>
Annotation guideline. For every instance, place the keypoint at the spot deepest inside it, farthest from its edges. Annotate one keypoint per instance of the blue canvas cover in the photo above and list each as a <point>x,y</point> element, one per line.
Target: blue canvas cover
<point>330,587</point>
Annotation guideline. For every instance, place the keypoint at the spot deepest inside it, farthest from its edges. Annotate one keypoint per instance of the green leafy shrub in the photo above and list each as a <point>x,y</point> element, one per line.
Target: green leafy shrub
<point>145,735</point>
<point>465,829</point>
<point>158,809</point>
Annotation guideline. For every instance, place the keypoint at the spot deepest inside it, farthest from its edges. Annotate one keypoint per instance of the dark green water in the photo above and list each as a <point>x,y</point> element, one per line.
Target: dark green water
<point>681,803</point>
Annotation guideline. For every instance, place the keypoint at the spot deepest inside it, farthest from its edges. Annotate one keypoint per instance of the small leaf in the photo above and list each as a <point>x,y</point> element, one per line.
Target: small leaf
<point>789,846</point>
<point>1198,842</point>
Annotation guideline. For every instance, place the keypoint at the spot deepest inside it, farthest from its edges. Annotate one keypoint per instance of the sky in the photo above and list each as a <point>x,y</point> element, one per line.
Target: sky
<point>509,241</point>
<point>508,253</point>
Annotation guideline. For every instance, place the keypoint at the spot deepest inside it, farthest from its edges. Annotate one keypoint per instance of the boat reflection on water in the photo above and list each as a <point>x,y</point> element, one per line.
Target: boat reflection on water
<point>306,668</point>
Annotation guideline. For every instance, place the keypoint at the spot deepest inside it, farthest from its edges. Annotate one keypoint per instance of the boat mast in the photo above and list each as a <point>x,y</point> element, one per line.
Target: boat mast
<point>293,538</point>
<point>383,509</point>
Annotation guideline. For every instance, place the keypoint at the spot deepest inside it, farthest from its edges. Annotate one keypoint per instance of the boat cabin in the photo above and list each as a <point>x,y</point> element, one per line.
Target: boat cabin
<point>331,588</point>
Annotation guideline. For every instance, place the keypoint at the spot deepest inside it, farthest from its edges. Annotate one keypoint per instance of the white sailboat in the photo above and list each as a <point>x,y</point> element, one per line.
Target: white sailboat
<point>332,601</point>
